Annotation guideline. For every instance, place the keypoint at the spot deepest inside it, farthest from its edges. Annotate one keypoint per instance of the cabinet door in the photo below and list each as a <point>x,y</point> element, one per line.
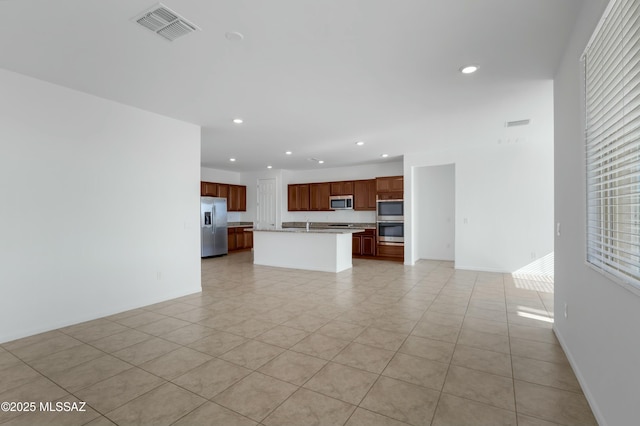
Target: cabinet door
<point>347,188</point>
<point>360,195</point>
<point>390,251</point>
<point>390,184</point>
<point>293,200</point>
<point>364,194</point>
<point>233,201</point>
<point>368,245</point>
<point>372,195</point>
<point>243,198</point>
<point>237,195</point>
<point>223,191</point>
<point>248,239</point>
<point>231,239</point>
<point>319,195</point>
<point>304,197</point>
<point>356,245</point>
<point>341,188</point>
<point>336,188</point>
<point>208,189</point>
<point>298,197</point>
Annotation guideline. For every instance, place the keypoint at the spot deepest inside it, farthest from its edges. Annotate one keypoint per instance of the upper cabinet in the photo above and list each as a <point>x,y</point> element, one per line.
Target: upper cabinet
<point>315,196</point>
<point>236,195</point>
<point>298,197</point>
<point>319,196</point>
<point>223,190</point>
<point>208,189</point>
<point>237,200</point>
<point>364,194</point>
<point>342,188</point>
<point>390,187</point>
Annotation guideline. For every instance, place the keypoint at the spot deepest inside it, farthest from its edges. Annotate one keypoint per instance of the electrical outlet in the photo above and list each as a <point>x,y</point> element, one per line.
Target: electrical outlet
<point>533,255</point>
<point>566,311</point>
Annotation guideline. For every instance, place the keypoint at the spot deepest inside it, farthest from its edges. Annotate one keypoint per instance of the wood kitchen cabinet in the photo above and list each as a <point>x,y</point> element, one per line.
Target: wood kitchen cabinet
<point>239,239</point>
<point>390,252</point>
<point>233,201</point>
<point>237,200</point>
<point>364,243</point>
<point>236,195</point>
<point>364,194</point>
<point>247,239</point>
<point>223,191</point>
<point>298,197</point>
<point>319,196</point>
<point>231,239</point>
<point>208,189</point>
<point>341,188</point>
<point>390,187</point>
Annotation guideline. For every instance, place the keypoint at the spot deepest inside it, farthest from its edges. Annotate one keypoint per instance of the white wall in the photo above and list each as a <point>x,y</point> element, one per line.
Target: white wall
<point>222,176</point>
<point>503,181</point>
<point>434,191</point>
<point>600,335</point>
<point>99,208</point>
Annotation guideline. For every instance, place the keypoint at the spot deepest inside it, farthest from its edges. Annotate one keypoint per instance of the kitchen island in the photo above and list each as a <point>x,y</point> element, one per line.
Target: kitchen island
<point>326,250</point>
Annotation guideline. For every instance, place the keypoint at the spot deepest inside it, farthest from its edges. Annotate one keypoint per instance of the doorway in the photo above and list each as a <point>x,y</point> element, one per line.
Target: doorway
<point>266,217</point>
<point>435,212</point>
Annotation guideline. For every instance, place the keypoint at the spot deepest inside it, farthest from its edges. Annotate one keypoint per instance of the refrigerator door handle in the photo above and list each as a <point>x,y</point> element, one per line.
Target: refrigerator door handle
<point>213,222</point>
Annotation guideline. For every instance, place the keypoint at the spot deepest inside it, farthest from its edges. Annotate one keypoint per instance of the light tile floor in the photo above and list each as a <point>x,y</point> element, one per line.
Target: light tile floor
<point>381,344</point>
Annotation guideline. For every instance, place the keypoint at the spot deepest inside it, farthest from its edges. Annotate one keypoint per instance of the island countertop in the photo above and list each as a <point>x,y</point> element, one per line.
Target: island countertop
<point>310,231</point>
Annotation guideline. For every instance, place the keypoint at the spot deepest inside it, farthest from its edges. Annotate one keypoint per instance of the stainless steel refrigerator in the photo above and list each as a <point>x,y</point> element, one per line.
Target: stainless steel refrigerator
<point>213,226</point>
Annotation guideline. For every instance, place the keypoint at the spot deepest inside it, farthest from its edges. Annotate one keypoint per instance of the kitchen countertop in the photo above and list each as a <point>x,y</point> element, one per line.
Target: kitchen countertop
<point>312,230</point>
<point>329,225</point>
<point>239,224</point>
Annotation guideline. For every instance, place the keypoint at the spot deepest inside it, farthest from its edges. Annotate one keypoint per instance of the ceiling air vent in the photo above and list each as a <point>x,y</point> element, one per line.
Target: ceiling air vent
<point>165,22</point>
<point>517,123</point>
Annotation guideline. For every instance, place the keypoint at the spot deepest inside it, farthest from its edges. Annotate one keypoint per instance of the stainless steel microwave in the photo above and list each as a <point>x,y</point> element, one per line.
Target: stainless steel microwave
<point>341,202</point>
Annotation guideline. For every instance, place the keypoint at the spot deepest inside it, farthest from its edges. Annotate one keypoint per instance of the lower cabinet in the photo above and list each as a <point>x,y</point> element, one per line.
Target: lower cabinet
<point>238,239</point>
<point>364,243</point>
<point>391,251</point>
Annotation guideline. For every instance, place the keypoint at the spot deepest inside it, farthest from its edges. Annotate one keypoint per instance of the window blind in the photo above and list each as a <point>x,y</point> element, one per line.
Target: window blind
<point>612,106</point>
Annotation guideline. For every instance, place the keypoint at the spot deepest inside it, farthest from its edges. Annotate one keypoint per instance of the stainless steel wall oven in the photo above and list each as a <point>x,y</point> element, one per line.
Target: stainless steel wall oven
<point>390,210</point>
<point>391,233</point>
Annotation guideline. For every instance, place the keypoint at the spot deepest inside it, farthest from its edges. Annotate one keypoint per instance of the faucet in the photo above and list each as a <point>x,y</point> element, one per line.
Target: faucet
<point>307,225</point>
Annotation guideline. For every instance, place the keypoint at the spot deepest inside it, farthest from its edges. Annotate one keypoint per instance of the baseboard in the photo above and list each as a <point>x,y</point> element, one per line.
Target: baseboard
<point>583,384</point>
<point>93,316</point>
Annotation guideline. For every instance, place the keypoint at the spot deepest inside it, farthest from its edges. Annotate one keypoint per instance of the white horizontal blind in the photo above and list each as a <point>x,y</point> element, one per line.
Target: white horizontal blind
<point>612,95</point>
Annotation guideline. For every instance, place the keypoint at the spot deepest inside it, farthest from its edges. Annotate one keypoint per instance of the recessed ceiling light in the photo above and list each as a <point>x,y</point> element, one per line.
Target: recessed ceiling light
<point>269,167</point>
<point>238,120</point>
<point>288,152</point>
<point>232,159</point>
<point>320,161</point>
<point>234,36</point>
<point>360,143</point>
<point>469,69</point>
<point>384,155</point>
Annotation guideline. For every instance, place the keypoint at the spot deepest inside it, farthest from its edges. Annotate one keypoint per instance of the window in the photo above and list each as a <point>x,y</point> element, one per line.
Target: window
<point>612,95</point>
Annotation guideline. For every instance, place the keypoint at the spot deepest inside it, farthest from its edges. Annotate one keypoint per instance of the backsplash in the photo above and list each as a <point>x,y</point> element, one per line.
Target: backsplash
<point>349,216</point>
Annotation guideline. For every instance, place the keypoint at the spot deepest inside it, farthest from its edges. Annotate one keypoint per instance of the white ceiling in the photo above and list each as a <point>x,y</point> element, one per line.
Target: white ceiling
<point>310,76</point>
